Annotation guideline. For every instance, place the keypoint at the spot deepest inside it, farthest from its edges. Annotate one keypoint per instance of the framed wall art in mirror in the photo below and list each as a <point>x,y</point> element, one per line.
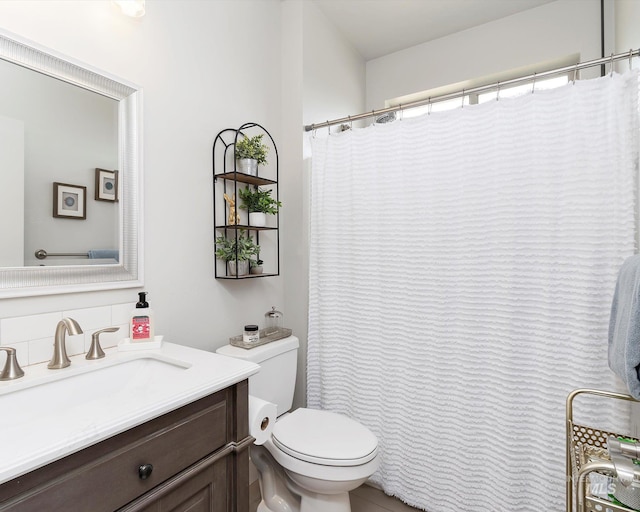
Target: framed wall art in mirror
<point>111,131</point>
<point>69,201</point>
<point>106,185</point>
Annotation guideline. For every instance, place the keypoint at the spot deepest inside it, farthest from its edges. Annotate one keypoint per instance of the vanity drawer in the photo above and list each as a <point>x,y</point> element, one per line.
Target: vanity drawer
<point>106,476</point>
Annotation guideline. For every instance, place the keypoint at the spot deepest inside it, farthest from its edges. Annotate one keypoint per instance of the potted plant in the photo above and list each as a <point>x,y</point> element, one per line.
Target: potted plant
<point>237,252</point>
<point>255,266</point>
<point>259,204</point>
<point>249,152</point>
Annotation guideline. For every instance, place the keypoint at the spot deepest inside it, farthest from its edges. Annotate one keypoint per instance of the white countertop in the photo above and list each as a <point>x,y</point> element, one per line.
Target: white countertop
<point>49,414</point>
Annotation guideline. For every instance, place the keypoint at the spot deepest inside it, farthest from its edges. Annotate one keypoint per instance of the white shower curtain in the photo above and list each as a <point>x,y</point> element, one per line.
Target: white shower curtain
<point>462,267</point>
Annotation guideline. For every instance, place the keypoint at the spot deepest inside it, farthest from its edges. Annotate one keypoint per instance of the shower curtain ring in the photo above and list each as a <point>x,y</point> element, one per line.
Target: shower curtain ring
<point>533,85</point>
<point>462,106</point>
<point>498,92</point>
<point>429,106</point>
<point>350,123</point>
<point>575,74</point>
<point>328,127</point>
<point>401,110</point>
<point>373,115</point>
<point>611,70</point>
<point>630,55</point>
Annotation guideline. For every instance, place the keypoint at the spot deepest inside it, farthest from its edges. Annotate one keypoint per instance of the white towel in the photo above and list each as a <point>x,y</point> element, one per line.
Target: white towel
<point>624,326</point>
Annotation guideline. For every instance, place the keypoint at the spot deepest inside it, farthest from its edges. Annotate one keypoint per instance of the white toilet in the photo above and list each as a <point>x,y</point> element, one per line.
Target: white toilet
<point>313,458</point>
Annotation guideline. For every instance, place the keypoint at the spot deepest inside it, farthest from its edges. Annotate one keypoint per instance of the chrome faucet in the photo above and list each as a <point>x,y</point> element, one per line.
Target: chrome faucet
<point>11,368</point>
<point>60,358</point>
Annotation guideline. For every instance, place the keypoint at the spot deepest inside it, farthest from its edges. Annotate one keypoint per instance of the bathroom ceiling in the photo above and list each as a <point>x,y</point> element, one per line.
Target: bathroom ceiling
<point>379,27</point>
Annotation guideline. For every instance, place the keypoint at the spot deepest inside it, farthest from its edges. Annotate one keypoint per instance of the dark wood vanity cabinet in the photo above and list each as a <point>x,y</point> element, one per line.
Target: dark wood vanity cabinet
<point>194,458</point>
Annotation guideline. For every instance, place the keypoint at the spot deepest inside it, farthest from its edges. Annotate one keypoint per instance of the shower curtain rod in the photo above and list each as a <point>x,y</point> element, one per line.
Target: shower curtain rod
<point>496,85</point>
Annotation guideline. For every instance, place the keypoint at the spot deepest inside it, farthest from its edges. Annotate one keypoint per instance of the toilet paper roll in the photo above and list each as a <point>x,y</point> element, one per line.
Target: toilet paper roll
<point>262,418</point>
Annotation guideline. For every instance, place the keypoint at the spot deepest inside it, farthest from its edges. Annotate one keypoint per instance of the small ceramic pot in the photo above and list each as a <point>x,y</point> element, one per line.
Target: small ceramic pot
<point>242,266</point>
<point>258,219</point>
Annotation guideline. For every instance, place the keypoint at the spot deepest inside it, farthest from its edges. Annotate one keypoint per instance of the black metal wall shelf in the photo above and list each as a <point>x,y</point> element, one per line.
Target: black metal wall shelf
<point>228,180</point>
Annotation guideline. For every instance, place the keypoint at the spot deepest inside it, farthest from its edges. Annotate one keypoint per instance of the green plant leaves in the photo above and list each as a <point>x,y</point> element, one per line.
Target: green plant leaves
<point>258,200</point>
<point>252,147</point>
<point>241,247</point>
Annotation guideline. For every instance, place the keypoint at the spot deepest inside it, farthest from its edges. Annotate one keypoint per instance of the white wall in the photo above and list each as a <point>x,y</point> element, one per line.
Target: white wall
<point>627,18</point>
<point>334,72</point>
<point>546,33</point>
<point>333,83</point>
<point>203,66</point>
<point>293,233</point>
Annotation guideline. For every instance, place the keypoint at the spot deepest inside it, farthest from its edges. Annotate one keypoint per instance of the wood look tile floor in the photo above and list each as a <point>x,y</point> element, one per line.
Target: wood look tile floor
<point>364,499</point>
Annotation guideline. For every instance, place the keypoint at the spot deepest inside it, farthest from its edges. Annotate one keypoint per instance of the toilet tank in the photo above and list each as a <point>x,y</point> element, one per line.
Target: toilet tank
<point>276,380</point>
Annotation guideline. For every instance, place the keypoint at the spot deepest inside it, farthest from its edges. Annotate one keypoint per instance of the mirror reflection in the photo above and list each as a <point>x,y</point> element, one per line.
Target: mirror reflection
<point>75,181</point>
<point>59,187</point>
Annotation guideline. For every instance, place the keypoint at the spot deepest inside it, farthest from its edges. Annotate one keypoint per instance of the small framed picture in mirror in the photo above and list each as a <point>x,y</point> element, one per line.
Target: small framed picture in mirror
<point>106,185</point>
<point>69,201</point>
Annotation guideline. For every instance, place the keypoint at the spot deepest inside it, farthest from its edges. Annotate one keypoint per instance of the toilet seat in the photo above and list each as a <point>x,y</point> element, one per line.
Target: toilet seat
<point>323,437</point>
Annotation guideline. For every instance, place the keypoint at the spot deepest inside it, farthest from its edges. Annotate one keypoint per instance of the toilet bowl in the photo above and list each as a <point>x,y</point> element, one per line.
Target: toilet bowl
<point>320,456</point>
<point>313,458</point>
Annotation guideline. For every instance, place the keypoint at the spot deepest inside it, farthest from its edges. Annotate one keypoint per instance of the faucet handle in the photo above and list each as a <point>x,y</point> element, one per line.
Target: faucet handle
<point>11,368</point>
<point>96,352</point>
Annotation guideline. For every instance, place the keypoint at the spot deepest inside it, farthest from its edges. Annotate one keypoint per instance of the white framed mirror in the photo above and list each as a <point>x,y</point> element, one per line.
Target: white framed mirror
<point>85,141</point>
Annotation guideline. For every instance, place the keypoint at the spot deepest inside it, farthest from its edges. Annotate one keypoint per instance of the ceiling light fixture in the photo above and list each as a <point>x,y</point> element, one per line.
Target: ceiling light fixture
<point>133,8</point>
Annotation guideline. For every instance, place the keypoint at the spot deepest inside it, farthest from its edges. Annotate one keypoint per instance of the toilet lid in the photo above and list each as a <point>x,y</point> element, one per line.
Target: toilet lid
<point>324,437</point>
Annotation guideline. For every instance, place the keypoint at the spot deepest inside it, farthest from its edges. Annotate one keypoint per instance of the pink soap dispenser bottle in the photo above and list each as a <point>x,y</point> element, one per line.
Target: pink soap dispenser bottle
<point>142,324</point>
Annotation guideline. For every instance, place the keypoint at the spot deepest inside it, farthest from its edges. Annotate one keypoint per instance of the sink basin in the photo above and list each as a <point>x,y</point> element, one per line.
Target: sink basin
<point>48,414</point>
<point>104,384</point>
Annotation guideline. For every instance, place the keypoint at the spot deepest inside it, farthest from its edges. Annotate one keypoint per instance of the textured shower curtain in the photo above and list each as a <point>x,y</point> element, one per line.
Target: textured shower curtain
<point>462,267</point>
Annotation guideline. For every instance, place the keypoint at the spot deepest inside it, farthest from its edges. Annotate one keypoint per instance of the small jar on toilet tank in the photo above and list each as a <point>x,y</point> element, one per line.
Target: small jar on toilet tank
<point>250,334</point>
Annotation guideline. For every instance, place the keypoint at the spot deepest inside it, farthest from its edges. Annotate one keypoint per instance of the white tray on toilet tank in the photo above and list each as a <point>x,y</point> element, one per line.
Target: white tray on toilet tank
<point>282,332</point>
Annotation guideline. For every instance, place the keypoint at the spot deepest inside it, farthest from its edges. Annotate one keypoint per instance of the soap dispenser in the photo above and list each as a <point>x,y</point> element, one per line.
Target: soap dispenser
<point>142,324</point>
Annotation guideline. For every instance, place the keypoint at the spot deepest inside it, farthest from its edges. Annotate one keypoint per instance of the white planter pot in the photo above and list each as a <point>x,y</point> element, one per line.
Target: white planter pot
<point>258,219</point>
<point>243,267</point>
<point>256,270</point>
<point>248,166</point>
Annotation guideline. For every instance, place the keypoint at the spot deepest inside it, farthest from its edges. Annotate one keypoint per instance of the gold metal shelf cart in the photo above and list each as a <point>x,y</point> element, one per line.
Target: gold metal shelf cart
<point>587,454</point>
